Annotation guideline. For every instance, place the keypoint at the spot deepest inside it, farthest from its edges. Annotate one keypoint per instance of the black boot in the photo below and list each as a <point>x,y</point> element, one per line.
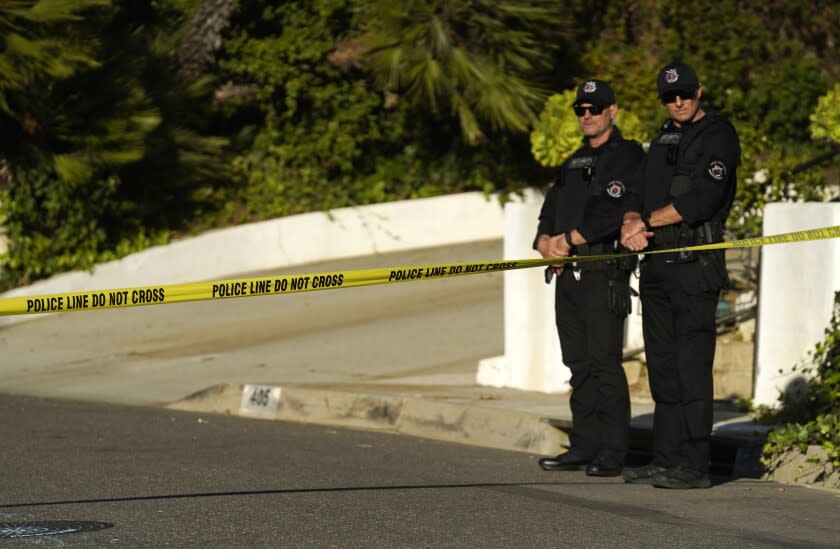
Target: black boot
<point>565,462</point>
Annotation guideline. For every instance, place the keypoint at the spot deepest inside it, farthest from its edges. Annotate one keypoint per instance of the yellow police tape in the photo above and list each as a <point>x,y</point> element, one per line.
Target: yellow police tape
<point>286,284</point>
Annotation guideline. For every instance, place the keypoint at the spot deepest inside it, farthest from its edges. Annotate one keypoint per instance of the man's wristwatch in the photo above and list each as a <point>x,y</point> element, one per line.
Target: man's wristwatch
<point>568,237</point>
<point>646,221</point>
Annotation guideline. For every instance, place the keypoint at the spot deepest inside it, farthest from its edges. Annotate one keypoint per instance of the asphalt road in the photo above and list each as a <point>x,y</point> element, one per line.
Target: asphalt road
<point>158,478</point>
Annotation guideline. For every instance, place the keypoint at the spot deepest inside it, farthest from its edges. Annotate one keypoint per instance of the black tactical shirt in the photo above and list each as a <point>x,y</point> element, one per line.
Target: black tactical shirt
<point>589,190</point>
<point>692,167</point>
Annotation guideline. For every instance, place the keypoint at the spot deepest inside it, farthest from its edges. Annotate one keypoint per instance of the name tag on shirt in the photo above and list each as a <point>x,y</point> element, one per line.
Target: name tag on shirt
<point>669,138</point>
<point>581,162</point>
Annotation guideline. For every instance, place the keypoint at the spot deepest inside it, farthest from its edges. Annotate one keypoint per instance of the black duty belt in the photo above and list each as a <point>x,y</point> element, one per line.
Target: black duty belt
<point>680,235</point>
<point>675,236</point>
<point>598,248</point>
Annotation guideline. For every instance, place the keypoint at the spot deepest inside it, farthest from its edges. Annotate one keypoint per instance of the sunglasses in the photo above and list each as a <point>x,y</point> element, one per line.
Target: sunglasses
<point>671,97</point>
<point>594,110</point>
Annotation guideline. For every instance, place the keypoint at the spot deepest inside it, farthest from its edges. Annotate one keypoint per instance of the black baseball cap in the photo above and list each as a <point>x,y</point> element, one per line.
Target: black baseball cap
<point>677,77</point>
<point>596,92</point>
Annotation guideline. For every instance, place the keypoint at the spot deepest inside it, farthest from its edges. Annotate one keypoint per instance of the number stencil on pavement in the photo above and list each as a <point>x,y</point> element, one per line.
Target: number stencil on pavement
<point>260,400</point>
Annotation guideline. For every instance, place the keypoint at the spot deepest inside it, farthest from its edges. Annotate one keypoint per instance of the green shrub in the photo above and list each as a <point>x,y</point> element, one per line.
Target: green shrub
<point>54,226</point>
<point>316,134</point>
<point>825,120</point>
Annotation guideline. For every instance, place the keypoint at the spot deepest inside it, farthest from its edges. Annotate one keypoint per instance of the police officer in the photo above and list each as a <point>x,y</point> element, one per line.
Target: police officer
<point>689,186</point>
<point>582,215</point>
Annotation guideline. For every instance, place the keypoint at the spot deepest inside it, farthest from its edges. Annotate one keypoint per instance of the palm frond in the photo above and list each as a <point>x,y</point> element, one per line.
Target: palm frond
<point>476,58</point>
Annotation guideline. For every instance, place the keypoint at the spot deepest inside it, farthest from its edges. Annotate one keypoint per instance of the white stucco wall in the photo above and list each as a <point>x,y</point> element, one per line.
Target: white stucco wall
<point>532,359</point>
<point>796,294</point>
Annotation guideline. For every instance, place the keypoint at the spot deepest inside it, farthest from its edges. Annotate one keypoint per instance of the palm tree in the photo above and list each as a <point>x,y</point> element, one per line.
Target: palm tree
<point>477,59</point>
<point>203,36</point>
<point>33,46</point>
<point>97,128</point>
<point>37,46</point>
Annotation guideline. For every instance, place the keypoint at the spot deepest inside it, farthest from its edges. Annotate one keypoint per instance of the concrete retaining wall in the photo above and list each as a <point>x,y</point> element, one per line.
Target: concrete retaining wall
<point>295,240</point>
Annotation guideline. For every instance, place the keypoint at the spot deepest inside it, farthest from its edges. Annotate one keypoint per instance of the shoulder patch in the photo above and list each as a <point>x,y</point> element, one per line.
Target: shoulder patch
<point>615,188</point>
<point>717,170</point>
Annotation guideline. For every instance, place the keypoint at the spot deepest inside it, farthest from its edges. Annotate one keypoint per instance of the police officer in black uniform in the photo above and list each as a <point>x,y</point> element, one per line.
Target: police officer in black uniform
<point>689,185</point>
<point>582,215</point>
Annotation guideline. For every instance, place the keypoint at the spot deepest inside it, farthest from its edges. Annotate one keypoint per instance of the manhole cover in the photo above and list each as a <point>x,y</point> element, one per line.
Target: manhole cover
<point>31,529</point>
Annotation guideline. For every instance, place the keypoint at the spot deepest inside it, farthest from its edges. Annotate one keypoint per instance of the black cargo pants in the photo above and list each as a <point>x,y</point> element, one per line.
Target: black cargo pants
<point>591,339</point>
<point>678,319</point>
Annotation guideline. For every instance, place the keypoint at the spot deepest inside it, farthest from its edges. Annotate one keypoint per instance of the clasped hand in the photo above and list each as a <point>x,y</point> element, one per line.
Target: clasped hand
<point>634,235</point>
<point>554,246</point>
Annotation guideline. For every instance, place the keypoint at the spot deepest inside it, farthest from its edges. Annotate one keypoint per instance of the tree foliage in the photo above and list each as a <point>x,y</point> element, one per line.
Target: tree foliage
<point>114,147</point>
<point>317,133</point>
<point>307,126</point>
<point>137,120</point>
<point>31,51</point>
<point>478,60</point>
